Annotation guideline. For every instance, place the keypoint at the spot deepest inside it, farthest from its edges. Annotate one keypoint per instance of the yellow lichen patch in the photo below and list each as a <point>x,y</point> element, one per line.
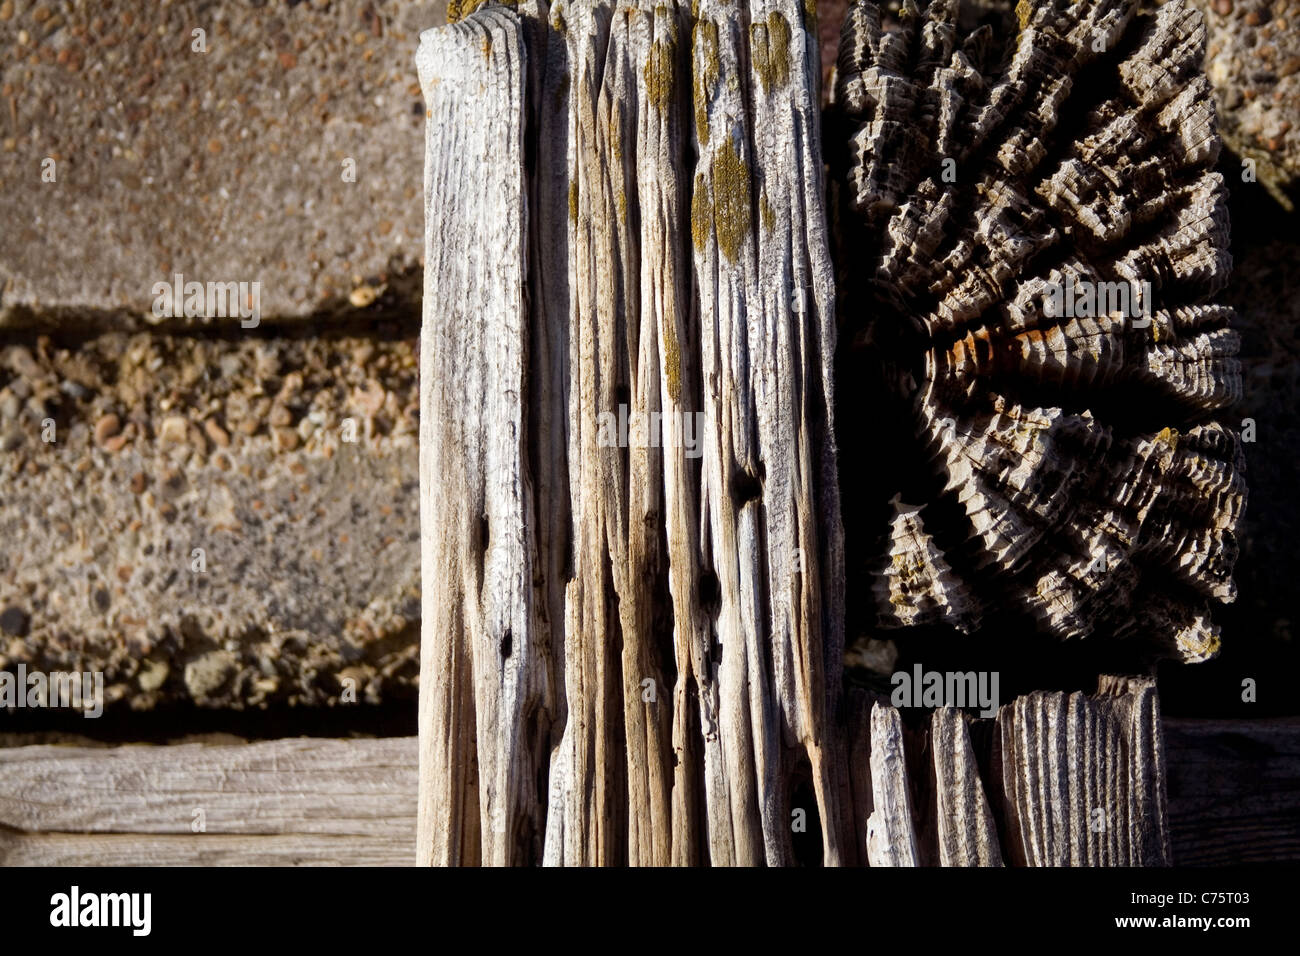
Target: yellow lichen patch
<point>1195,645</point>
<point>458,10</point>
<point>622,206</point>
<point>672,362</point>
<point>765,211</point>
<point>573,200</point>
<point>615,131</point>
<point>810,16</point>
<point>732,221</point>
<point>1024,10</point>
<point>1168,436</point>
<point>700,212</point>
<point>706,69</point>
<point>770,51</point>
<point>660,82</point>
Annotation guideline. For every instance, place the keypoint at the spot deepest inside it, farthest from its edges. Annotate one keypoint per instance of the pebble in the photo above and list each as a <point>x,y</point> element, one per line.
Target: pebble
<point>153,674</point>
<point>172,430</point>
<point>107,426</point>
<point>286,439</point>
<point>362,296</point>
<point>209,673</point>
<point>372,399</point>
<point>216,433</point>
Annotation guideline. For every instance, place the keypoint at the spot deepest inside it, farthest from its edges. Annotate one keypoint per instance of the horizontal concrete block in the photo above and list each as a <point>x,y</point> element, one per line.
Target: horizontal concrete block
<point>228,520</point>
<point>224,142</point>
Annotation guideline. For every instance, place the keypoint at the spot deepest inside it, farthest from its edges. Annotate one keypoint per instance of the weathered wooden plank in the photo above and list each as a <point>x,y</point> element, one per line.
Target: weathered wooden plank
<point>891,830</point>
<point>584,825</point>
<point>1234,797</point>
<point>857,746</point>
<point>291,802</point>
<point>1081,782</point>
<point>1234,790</point>
<point>213,849</point>
<point>769,494</point>
<point>480,650</point>
<point>634,511</point>
<point>304,786</point>
<point>967,832</point>
<point>1074,777</point>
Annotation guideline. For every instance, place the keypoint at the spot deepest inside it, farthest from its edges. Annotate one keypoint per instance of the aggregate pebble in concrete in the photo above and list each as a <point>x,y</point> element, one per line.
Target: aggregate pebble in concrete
<point>1253,60</point>
<point>223,166</point>
<point>202,527</point>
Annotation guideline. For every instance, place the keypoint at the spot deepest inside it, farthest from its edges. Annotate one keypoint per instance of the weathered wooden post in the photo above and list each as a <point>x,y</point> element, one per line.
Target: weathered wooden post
<point>633,555</point>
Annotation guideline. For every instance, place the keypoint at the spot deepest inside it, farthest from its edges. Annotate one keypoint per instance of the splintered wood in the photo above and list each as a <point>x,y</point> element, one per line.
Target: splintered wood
<point>479,635</point>
<point>1056,780</point>
<point>633,565</point>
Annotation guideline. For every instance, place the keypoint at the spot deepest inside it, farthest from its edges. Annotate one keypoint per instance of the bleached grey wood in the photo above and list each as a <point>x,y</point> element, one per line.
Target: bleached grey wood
<point>584,825</point>
<point>295,785</point>
<point>648,718</point>
<point>768,485</point>
<point>151,849</point>
<point>481,659</point>
<point>1082,777</point>
<point>279,802</point>
<point>1233,793</point>
<point>967,832</point>
<point>891,830</point>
